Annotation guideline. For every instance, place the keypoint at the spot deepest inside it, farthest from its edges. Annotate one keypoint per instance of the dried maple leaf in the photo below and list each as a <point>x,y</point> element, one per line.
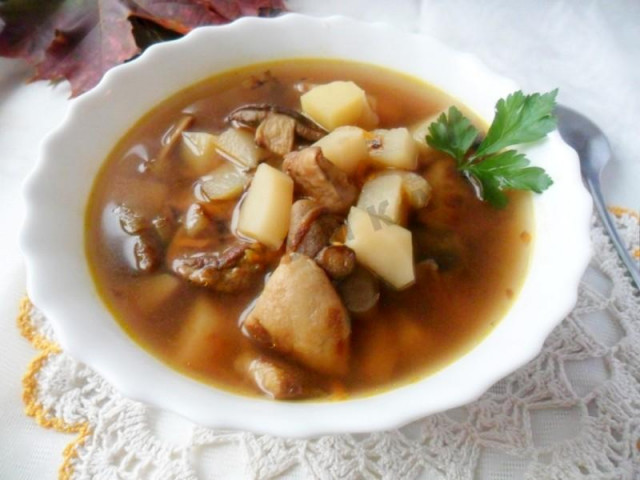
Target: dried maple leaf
<point>81,39</point>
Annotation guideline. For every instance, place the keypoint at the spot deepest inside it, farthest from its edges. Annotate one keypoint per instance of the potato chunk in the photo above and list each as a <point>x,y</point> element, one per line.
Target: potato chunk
<point>378,196</point>
<point>395,148</point>
<point>198,151</point>
<point>224,183</point>
<point>239,146</point>
<point>420,130</point>
<point>384,196</point>
<point>154,290</point>
<point>384,248</point>
<point>380,354</point>
<point>338,103</point>
<point>345,147</point>
<point>204,334</point>
<point>265,212</point>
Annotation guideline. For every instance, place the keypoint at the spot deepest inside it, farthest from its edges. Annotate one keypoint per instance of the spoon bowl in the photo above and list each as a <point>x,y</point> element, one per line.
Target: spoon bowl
<point>592,146</point>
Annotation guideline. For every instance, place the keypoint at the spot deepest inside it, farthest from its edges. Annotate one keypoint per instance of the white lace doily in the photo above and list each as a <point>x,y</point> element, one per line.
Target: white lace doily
<point>572,413</point>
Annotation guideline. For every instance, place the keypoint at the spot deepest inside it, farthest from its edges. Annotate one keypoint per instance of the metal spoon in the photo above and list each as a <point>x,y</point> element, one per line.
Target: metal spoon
<point>594,151</point>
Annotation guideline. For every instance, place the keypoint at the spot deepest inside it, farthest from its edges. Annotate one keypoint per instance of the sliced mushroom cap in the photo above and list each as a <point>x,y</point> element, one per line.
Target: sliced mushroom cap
<point>276,133</point>
<point>233,269</point>
<point>318,178</point>
<point>251,115</point>
<point>281,380</point>
<point>159,164</point>
<point>310,228</point>
<point>131,221</point>
<point>147,251</point>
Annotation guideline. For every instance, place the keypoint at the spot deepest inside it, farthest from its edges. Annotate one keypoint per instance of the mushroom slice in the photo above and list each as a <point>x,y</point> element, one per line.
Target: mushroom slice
<point>233,269</point>
<point>276,133</point>
<point>311,227</point>
<point>131,221</point>
<point>281,380</point>
<point>147,252</point>
<point>320,179</point>
<point>251,115</point>
<point>170,140</point>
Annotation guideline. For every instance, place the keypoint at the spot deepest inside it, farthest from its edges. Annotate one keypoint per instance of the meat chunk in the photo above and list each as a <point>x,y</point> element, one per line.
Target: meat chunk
<point>337,260</point>
<point>233,269</point>
<point>276,133</point>
<point>310,228</point>
<point>317,177</point>
<point>299,314</point>
<point>281,380</point>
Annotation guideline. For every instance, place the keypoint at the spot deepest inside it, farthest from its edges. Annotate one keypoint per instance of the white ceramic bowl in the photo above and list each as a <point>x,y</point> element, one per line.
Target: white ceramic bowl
<point>60,284</point>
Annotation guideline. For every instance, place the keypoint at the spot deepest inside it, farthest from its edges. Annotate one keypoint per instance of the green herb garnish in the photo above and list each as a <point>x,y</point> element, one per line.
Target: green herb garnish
<point>492,169</point>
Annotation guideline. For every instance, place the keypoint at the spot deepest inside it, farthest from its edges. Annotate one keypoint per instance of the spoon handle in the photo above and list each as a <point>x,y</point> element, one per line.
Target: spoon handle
<point>605,216</point>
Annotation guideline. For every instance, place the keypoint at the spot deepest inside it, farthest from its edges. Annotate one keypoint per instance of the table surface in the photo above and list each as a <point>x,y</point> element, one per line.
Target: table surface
<point>589,50</point>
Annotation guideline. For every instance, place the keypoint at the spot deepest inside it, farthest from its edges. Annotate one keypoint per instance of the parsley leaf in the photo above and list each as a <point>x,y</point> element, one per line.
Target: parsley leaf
<point>506,170</point>
<point>519,119</point>
<point>453,134</point>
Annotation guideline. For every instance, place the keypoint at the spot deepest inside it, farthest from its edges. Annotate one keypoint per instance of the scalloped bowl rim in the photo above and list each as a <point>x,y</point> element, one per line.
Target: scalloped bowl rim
<point>56,192</point>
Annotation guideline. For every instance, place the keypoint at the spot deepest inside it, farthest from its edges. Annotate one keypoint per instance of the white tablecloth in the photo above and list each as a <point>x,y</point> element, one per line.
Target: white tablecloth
<point>589,49</point>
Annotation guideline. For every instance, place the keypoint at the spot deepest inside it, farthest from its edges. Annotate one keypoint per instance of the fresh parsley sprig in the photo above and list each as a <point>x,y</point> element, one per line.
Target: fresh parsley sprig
<point>519,119</point>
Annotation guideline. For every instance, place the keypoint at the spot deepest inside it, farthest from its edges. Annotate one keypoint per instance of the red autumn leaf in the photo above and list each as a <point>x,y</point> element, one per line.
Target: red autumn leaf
<point>81,39</point>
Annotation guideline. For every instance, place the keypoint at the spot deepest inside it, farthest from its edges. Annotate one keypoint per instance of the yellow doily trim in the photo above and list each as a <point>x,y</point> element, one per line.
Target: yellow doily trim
<point>619,212</point>
<point>33,407</point>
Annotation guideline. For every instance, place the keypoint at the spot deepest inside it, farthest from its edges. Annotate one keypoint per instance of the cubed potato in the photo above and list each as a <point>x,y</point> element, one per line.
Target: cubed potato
<point>203,335</point>
<point>369,118</point>
<point>198,151</point>
<point>265,212</point>
<point>345,147</point>
<point>151,291</point>
<point>224,183</point>
<point>384,196</point>
<point>390,193</point>
<point>384,248</point>
<point>239,146</point>
<point>420,130</point>
<point>412,336</point>
<point>380,353</point>
<point>396,149</point>
<point>338,103</point>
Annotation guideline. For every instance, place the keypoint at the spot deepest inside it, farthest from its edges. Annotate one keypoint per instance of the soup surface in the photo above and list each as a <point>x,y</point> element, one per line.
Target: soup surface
<point>161,209</point>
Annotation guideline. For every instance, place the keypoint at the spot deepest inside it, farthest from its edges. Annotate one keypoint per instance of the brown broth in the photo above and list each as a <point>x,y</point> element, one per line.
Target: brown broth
<point>482,251</point>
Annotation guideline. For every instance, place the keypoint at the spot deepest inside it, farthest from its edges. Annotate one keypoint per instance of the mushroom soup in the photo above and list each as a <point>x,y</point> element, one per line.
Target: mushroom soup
<point>284,230</point>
